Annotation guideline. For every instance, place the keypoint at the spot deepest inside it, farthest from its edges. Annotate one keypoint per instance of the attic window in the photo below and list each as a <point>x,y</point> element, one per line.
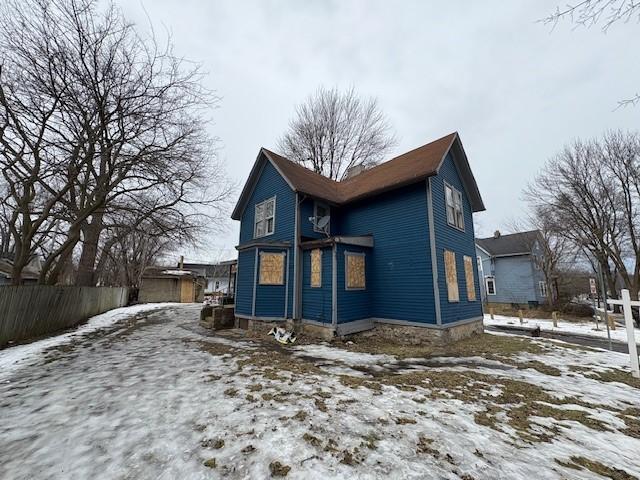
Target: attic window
<point>455,213</point>
<point>265,218</point>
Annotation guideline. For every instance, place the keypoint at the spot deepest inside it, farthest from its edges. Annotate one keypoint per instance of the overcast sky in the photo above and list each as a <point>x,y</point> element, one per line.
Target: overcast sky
<point>515,90</point>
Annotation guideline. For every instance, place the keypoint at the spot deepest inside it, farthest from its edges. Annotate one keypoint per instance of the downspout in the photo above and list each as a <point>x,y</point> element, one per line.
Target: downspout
<point>434,258</point>
<point>334,288</point>
<point>297,291</point>
<point>255,281</point>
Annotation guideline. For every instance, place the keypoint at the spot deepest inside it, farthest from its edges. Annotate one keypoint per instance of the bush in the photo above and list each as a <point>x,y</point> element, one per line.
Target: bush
<point>578,309</point>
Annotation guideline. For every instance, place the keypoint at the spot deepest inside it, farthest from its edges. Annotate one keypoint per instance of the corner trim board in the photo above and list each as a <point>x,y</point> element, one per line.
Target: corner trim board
<point>255,282</point>
<point>434,257</point>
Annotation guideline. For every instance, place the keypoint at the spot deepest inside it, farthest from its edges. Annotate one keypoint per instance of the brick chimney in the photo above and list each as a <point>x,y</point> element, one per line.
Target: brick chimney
<point>496,234</point>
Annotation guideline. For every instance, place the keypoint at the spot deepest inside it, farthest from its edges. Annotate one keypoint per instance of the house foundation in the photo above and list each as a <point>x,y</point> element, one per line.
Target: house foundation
<point>395,333</point>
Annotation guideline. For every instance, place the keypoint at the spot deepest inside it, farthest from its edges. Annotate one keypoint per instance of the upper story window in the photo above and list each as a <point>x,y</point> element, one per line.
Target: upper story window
<point>320,210</point>
<point>265,219</point>
<point>455,213</point>
<point>490,283</point>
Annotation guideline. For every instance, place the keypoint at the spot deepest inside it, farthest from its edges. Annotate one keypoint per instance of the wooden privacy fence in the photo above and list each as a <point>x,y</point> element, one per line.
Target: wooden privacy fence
<point>33,310</point>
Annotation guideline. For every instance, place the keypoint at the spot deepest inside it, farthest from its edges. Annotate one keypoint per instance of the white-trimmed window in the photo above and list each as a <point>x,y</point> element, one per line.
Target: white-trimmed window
<point>542,288</point>
<point>265,219</point>
<point>490,284</point>
<point>320,210</point>
<point>455,212</point>
<point>355,274</point>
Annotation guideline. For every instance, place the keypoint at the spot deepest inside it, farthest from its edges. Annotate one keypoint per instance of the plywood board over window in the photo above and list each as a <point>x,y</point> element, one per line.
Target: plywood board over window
<point>271,268</point>
<point>355,274</point>
<point>451,276</point>
<point>316,267</point>
<point>470,280</point>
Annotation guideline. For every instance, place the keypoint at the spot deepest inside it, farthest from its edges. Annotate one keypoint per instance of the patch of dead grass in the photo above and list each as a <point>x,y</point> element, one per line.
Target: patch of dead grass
<point>579,463</point>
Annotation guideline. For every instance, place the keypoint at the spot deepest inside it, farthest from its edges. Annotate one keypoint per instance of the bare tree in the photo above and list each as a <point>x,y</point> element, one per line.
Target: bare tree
<point>117,119</point>
<point>588,13</point>
<point>590,195</point>
<point>334,131</point>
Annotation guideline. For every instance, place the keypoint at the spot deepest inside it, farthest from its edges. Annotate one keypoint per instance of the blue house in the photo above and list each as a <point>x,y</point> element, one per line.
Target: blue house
<point>510,266</point>
<point>392,246</point>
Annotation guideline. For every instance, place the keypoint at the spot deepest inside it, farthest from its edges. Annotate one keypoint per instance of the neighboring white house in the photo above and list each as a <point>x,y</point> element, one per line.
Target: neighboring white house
<point>220,276</point>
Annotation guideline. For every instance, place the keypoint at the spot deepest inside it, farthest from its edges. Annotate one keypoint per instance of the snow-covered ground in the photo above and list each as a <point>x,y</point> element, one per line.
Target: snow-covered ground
<point>156,397</point>
<point>13,357</point>
<point>579,328</point>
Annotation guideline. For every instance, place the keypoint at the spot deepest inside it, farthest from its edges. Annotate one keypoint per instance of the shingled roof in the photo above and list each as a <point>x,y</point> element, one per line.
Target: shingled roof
<point>519,243</point>
<point>408,168</point>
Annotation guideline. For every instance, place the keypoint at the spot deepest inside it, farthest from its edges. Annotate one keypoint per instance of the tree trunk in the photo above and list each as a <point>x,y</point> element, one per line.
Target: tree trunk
<point>91,236</point>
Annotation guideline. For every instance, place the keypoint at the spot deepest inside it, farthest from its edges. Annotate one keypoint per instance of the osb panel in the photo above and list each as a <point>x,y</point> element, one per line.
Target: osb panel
<point>316,267</point>
<point>468,273</point>
<point>271,268</point>
<point>452,277</point>
<point>355,271</point>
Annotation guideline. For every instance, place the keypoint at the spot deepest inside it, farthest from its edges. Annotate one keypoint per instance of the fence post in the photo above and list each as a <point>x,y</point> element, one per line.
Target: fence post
<point>631,336</point>
<point>554,315</point>
<point>491,313</point>
<point>520,316</point>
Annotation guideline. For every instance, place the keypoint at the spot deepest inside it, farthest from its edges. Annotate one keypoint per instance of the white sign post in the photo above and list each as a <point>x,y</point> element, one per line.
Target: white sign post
<point>631,336</point>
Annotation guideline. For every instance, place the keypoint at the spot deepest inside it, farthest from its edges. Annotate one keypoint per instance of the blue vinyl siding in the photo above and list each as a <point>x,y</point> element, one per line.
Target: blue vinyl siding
<point>401,283</point>
<point>460,242</point>
<point>269,299</point>
<point>316,302</point>
<point>271,184</point>
<point>515,282</point>
<point>353,304</point>
<point>244,282</point>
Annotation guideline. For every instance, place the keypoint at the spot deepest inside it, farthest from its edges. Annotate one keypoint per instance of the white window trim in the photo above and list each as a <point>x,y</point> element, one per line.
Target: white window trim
<point>346,279</point>
<point>315,216</point>
<point>486,285</point>
<point>454,191</point>
<point>255,218</point>
<point>542,289</point>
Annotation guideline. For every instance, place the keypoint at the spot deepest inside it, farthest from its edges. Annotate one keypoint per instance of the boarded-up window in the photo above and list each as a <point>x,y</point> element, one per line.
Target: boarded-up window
<point>355,275</point>
<point>271,268</point>
<point>471,282</point>
<point>451,275</point>
<point>316,267</point>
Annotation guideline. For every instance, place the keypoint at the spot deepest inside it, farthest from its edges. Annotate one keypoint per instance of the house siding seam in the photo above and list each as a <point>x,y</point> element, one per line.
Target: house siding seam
<point>460,242</point>
<point>399,266</point>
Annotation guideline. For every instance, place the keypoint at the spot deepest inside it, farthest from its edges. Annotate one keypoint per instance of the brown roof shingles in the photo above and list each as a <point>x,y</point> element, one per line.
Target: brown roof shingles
<point>402,170</point>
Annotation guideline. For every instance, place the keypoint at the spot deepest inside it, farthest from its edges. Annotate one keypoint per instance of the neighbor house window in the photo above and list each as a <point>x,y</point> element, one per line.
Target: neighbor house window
<point>265,218</point>
<point>542,286</point>
<point>490,283</point>
<point>316,267</point>
<point>271,268</point>
<point>455,214</point>
<point>469,277</point>
<point>355,278</point>
<point>320,210</point>
<point>451,275</point>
